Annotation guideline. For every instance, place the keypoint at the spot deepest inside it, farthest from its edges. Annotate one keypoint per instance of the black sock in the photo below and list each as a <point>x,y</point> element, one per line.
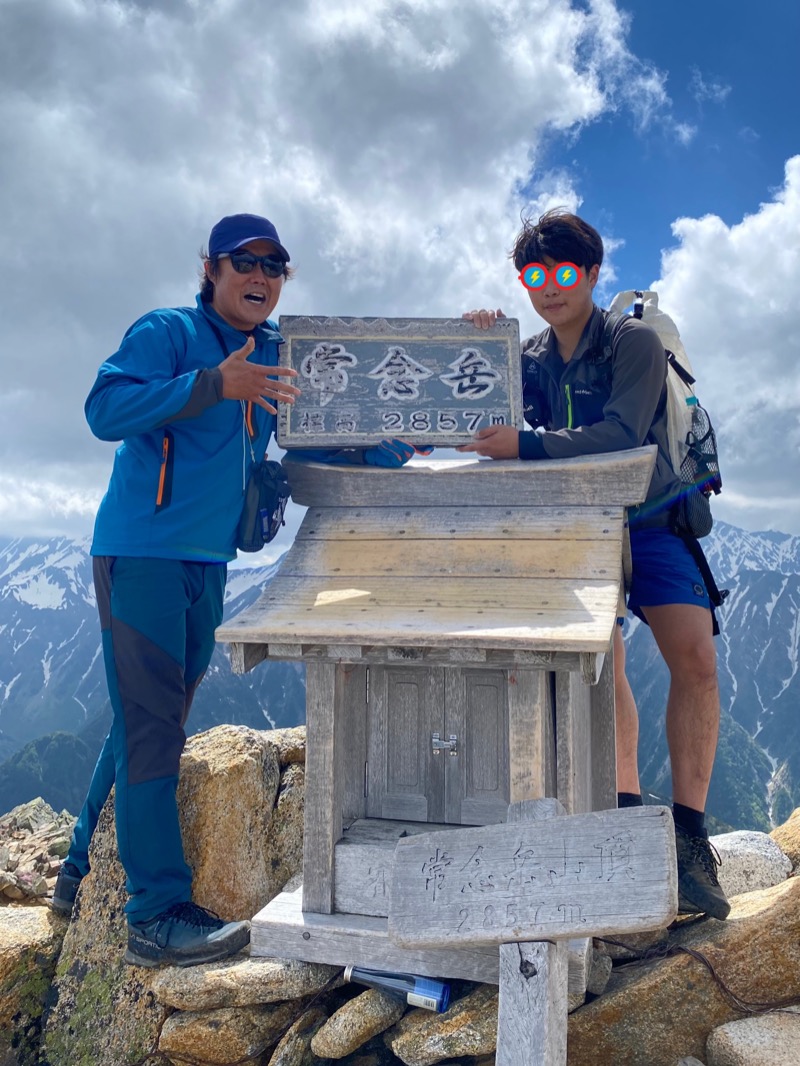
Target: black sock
<point>691,821</point>
<point>629,799</point>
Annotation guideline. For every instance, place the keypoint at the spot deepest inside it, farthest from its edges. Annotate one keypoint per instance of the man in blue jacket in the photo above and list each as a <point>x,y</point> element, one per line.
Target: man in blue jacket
<point>188,392</point>
<point>581,401</point>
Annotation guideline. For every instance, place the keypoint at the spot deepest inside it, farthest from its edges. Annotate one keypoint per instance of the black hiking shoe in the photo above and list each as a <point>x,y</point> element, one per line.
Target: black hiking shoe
<point>184,935</point>
<point>67,884</point>
<point>699,890</point>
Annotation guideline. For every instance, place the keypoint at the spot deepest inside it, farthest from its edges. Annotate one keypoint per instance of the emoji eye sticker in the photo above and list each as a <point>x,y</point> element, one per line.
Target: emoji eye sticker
<point>536,276</point>
<point>533,276</point>
<point>567,275</point>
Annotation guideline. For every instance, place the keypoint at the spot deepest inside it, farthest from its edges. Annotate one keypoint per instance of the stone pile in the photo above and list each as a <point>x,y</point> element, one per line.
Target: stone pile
<point>659,999</point>
<point>33,841</point>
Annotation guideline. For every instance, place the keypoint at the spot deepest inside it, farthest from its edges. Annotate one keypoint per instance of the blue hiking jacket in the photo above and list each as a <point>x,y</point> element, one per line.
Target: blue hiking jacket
<point>177,485</point>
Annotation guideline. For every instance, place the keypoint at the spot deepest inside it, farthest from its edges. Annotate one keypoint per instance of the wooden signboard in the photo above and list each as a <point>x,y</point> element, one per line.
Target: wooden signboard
<point>526,886</point>
<point>425,380</point>
<point>609,872</point>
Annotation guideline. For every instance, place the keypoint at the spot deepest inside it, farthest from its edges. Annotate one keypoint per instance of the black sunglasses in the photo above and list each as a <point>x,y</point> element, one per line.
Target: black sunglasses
<point>246,262</point>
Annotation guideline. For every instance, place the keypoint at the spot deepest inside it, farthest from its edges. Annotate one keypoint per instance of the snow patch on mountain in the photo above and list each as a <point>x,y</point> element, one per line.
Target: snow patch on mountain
<point>7,688</point>
<point>39,591</point>
<point>243,580</point>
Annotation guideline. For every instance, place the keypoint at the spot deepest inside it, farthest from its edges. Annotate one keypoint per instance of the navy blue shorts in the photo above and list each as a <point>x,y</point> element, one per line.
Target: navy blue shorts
<point>664,571</point>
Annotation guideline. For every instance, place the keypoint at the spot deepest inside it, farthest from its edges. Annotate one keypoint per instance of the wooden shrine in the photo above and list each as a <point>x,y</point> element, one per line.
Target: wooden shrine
<point>456,620</point>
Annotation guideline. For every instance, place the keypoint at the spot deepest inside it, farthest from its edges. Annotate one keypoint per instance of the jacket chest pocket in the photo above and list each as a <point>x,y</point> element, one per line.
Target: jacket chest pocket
<point>587,404</point>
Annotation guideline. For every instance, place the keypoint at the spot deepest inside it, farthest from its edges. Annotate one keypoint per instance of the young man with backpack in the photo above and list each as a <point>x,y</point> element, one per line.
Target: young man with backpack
<point>583,397</point>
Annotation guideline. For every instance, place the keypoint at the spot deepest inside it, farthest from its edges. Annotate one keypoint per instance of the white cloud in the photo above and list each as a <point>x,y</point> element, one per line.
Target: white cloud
<point>749,135</point>
<point>733,293</point>
<point>703,89</point>
<point>45,505</point>
<point>390,140</point>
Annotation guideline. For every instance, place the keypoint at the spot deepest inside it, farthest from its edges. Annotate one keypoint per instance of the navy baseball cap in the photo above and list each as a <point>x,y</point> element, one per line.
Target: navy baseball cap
<point>233,231</point>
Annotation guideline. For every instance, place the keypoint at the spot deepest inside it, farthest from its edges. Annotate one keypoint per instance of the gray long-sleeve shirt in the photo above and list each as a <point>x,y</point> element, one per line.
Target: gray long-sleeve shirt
<point>601,401</point>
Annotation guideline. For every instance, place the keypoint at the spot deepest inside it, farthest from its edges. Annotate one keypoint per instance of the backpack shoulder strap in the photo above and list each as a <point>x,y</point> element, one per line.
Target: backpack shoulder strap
<point>611,320</point>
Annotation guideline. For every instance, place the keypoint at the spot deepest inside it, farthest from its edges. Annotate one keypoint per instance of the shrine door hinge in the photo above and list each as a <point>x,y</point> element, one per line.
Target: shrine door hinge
<point>438,745</point>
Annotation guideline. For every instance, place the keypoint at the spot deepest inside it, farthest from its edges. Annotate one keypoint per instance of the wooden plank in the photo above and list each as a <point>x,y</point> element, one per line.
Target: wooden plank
<point>364,860</point>
<point>627,561</point>
<point>545,660</point>
<point>406,704</point>
<point>354,757</point>
<point>550,765</point>
<point>534,984</point>
<point>342,651</point>
<point>467,655</point>
<point>579,964</point>
<point>407,655</point>
<point>340,594</point>
<point>528,707</point>
<point>476,778</point>
<point>324,782</point>
<point>532,1006</point>
<point>282,930</point>
<point>534,810</point>
<point>579,949</point>
<point>573,743</point>
<point>537,978</point>
<point>576,560</point>
<point>245,656</point>
<point>612,479</point>
<point>591,665</point>
<point>401,524</point>
<point>286,651</point>
<point>467,658</point>
<point>557,631</point>
<point>540,614</point>
<point>590,874</point>
<point>603,738</point>
<point>363,876</point>
<point>384,832</point>
<point>363,863</point>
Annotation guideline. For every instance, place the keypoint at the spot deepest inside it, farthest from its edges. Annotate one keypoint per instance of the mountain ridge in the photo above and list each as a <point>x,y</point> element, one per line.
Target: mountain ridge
<point>53,696</point>
<point>52,683</point>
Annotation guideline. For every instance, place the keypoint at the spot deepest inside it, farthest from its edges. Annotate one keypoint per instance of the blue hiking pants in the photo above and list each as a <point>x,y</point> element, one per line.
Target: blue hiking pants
<point>157,619</point>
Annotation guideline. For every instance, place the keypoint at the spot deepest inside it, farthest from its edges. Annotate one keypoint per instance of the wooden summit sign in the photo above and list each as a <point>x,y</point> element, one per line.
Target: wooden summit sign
<point>605,873</point>
<point>426,380</point>
<point>526,886</point>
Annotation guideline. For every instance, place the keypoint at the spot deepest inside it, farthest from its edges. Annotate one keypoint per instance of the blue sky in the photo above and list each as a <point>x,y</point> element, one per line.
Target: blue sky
<point>394,143</point>
<point>731,73</point>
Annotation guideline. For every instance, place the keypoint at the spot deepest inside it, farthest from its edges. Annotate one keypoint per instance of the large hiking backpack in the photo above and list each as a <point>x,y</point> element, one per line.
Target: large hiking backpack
<point>691,437</point>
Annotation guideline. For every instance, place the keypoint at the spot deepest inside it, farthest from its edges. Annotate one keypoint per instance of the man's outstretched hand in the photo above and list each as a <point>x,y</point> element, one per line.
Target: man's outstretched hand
<point>242,380</point>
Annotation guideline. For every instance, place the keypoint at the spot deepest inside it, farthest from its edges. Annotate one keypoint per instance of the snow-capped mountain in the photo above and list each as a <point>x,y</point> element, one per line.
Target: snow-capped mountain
<point>757,773</point>
<point>54,707</point>
<point>51,672</point>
